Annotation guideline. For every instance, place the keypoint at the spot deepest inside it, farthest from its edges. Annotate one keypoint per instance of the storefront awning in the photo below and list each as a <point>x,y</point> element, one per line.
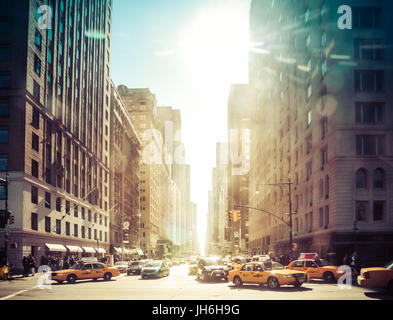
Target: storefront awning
<point>88,249</point>
<point>56,247</point>
<point>100,250</point>
<point>118,250</point>
<point>74,249</point>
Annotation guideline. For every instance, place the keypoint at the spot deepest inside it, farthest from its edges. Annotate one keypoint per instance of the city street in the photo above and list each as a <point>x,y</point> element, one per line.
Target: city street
<point>178,286</point>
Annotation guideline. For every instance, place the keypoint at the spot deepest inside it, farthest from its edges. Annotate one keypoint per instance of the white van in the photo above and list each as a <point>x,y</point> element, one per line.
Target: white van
<point>261,258</point>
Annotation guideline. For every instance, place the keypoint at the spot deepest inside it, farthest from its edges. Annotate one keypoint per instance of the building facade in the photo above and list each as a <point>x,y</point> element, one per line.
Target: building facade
<point>125,158</point>
<point>55,92</point>
<point>323,122</point>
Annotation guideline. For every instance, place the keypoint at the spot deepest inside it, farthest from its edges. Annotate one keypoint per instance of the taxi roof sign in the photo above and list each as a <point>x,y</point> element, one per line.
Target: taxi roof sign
<point>308,256</point>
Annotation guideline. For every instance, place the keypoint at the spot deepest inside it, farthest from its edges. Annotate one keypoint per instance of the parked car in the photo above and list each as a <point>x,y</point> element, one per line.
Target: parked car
<point>274,275</point>
<point>316,268</point>
<point>377,277</point>
<point>210,268</point>
<point>156,268</point>
<point>135,267</point>
<point>122,266</point>
<point>82,271</point>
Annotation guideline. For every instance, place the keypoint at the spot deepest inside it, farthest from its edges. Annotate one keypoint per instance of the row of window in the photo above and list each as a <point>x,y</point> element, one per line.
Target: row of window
<point>58,229</point>
<point>34,200</point>
<point>378,178</point>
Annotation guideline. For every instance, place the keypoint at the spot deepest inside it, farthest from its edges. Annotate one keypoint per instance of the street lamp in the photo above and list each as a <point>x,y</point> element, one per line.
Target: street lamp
<point>289,185</point>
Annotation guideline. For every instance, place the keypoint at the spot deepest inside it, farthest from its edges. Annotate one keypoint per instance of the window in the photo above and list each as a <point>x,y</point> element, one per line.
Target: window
<point>369,80</point>
<point>87,267</point>
<point>310,264</point>
<point>366,17</point>
<point>326,219</point>
<point>35,121</point>
<point>47,224</point>
<point>3,134</point>
<point>379,210</point>
<point>379,178</point>
<point>83,213</point>
<point>83,232</point>
<point>48,176</point>
<point>367,145</point>
<point>36,90</point>
<point>309,170</point>
<point>5,80</point>
<point>37,39</point>
<point>58,204</point>
<point>89,233</point>
<point>68,207</point>
<point>37,65</point>
<point>34,142</point>
<point>4,108</point>
<point>361,179</point>
<point>75,230</point>
<point>100,235</point>
<point>324,127</point>
<point>34,221</point>
<point>34,168</point>
<point>67,228</point>
<point>47,200</point>
<point>320,188</point>
<point>324,158</point>
<point>368,49</point>
<point>369,112</point>
<point>3,162</point>
<point>320,217</point>
<point>34,195</point>
<point>5,54</point>
<point>95,234</point>
<point>89,215</point>
<point>308,144</point>
<point>327,187</point>
<point>298,264</point>
<point>361,210</point>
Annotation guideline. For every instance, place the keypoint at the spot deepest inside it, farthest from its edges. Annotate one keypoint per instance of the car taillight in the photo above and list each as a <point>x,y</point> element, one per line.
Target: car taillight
<point>366,275</point>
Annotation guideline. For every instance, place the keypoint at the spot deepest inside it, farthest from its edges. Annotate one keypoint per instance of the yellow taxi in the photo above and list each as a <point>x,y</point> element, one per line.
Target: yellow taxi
<point>316,268</point>
<point>272,274</point>
<point>85,270</point>
<point>237,263</point>
<point>377,277</point>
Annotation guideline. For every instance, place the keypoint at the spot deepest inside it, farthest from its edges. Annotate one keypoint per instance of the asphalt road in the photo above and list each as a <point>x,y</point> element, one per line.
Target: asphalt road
<point>178,286</point>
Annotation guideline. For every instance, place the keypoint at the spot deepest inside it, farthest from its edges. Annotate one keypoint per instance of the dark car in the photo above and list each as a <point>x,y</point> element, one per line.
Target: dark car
<point>211,268</point>
<point>135,267</point>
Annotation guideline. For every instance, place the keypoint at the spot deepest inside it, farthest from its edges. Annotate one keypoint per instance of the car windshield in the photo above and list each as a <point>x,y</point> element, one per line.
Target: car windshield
<point>153,264</point>
<point>389,265</point>
<point>322,263</point>
<point>213,262</point>
<point>77,266</point>
<point>273,266</point>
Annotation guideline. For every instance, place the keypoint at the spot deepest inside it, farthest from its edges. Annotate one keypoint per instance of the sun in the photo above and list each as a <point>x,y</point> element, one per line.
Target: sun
<point>214,47</point>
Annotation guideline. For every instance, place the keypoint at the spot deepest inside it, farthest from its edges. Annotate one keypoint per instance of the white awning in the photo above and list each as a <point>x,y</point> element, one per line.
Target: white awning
<point>127,251</point>
<point>100,250</point>
<point>74,249</point>
<point>89,249</point>
<point>56,247</point>
<point>118,250</point>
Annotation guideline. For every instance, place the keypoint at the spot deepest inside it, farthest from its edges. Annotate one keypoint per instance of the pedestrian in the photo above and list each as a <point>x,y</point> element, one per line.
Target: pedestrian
<point>61,264</point>
<point>31,264</point>
<point>72,261</point>
<point>25,266</point>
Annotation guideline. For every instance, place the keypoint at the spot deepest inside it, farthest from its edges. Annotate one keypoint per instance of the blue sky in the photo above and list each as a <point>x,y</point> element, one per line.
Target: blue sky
<point>187,52</point>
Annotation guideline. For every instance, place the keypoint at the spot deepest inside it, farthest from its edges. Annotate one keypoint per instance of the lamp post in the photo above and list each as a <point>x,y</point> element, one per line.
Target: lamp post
<point>289,185</point>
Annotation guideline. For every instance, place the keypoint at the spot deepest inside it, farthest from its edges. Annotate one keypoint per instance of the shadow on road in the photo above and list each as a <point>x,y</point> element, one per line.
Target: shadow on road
<point>381,295</point>
<point>81,281</point>
<point>265,288</point>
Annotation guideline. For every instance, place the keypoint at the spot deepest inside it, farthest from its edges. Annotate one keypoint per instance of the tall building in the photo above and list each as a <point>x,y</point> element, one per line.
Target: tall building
<point>54,90</point>
<point>323,122</point>
<point>217,240</point>
<point>239,125</point>
<point>125,158</point>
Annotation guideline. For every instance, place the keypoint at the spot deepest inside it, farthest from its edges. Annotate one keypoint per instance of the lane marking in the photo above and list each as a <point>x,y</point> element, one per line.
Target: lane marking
<point>17,293</point>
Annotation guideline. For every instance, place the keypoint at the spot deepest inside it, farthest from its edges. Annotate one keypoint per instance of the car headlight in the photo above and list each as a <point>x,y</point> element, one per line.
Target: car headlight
<point>287,276</point>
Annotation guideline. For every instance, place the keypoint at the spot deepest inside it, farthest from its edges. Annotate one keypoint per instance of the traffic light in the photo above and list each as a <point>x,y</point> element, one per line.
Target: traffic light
<point>229,215</point>
<point>11,217</point>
